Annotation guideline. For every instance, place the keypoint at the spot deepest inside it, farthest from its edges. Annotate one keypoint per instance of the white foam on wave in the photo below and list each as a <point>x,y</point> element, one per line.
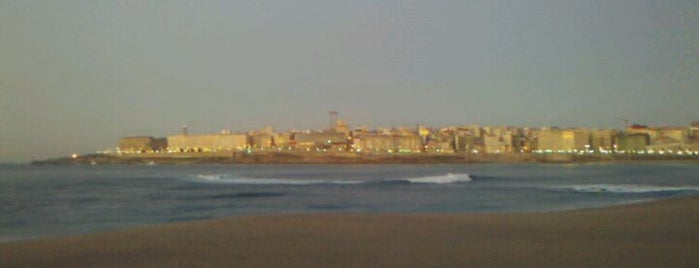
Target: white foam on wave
<point>625,188</point>
<point>442,179</point>
<point>228,179</point>
<point>232,179</point>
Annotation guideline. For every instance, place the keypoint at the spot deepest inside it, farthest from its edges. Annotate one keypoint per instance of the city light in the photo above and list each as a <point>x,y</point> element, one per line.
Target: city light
<point>645,142</point>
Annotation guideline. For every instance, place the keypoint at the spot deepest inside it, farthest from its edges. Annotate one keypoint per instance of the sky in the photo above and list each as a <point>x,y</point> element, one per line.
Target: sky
<point>77,75</point>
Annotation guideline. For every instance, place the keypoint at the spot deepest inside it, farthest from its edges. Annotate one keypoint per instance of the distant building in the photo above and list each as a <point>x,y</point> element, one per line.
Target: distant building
<point>319,141</point>
<point>693,137</point>
<point>664,138</point>
<point>676,134</point>
<point>632,142</point>
<point>142,144</point>
<point>497,144</point>
<point>267,138</point>
<point>441,147</point>
<point>693,133</point>
<point>639,129</point>
<point>207,143</point>
<point>262,141</point>
<point>467,143</point>
<point>375,143</point>
<point>409,143</point>
<point>340,126</point>
<point>378,143</point>
<point>563,140</point>
<point>602,140</point>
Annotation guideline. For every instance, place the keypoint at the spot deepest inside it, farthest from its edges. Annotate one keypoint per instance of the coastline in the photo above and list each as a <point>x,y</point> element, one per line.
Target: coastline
<point>661,233</point>
<point>352,158</point>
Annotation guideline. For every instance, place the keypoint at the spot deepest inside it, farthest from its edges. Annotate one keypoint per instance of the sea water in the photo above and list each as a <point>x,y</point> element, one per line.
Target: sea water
<point>41,201</point>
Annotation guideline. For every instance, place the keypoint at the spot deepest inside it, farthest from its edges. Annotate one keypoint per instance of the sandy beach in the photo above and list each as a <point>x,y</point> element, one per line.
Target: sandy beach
<point>656,234</point>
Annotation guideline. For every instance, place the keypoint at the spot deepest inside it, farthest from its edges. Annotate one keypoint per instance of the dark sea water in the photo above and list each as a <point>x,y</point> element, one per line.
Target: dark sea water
<point>40,201</point>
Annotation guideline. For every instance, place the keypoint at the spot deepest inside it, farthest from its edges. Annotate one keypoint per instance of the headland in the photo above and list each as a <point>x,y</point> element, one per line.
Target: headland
<point>340,144</point>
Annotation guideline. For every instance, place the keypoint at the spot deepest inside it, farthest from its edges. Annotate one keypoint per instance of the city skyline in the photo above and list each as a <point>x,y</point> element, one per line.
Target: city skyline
<point>74,77</point>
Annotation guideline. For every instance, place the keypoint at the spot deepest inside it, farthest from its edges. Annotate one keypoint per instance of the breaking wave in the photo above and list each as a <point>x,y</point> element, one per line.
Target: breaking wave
<point>625,188</point>
<point>442,179</point>
<point>232,179</point>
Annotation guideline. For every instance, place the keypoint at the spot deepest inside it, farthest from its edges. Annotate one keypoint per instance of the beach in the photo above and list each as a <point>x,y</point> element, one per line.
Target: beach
<point>655,234</point>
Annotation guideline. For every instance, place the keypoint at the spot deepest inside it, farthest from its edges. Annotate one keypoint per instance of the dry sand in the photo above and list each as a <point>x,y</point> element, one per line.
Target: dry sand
<point>656,234</point>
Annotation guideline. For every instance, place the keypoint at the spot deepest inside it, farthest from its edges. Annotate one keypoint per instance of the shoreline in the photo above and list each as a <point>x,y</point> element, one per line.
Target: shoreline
<point>650,234</point>
<point>353,159</point>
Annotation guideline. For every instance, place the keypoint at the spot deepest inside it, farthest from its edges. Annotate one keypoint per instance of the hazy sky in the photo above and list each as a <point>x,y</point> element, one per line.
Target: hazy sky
<point>77,75</point>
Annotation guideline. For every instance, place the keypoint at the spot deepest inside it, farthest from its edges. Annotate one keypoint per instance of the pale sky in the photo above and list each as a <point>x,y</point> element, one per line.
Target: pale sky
<point>77,75</point>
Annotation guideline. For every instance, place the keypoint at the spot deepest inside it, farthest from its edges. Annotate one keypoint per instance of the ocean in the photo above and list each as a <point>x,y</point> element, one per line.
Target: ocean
<point>44,201</point>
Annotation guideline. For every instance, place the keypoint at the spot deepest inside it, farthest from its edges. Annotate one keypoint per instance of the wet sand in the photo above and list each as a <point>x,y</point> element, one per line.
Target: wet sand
<point>656,234</point>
